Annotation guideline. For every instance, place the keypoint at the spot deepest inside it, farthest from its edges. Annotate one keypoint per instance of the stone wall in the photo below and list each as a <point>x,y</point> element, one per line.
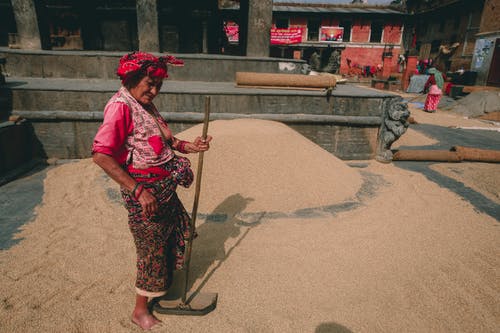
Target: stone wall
<point>346,124</point>
<point>62,95</point>
<point>102,65</point>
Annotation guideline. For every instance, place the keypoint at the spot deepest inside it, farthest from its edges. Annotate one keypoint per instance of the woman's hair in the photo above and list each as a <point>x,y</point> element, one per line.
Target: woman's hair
<point>133,78</point>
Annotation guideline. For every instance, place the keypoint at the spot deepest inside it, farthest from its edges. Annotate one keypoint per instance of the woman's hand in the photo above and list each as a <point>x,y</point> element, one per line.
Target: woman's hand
<point>148,203</point>
<point>198,145</point>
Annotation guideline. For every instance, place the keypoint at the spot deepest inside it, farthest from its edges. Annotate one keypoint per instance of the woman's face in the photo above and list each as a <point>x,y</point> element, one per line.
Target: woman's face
<point>147,89</point>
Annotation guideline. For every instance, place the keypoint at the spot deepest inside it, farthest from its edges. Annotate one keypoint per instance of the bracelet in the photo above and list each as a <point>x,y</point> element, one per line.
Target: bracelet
<point>137,185</point>
<point>140,188</point>
<point>181,147</point>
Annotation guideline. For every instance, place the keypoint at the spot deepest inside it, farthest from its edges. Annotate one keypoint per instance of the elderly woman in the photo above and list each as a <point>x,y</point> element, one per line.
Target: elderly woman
<point>135,147</point>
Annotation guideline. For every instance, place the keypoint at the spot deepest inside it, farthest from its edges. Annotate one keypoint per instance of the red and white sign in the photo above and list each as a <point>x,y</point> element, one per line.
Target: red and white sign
<point>331,34</point>
<point>232,32</point>
<point>286,36</point>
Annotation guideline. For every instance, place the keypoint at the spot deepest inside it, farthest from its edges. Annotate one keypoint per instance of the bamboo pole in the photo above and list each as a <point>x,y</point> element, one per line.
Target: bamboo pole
<point>196,199</point>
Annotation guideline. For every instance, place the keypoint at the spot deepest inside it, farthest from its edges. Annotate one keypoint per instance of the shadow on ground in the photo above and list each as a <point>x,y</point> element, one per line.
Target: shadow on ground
<point>220,225</point>
<point>331,327</point>
<point>230,221</point>
<point>449,137</point>
<point>18,200</point>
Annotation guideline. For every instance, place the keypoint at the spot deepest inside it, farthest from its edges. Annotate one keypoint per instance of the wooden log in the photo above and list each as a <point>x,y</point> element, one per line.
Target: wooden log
<point>477,155</point>
<point>253,79</point>
<point>278,87</point>
<point>427,155</point>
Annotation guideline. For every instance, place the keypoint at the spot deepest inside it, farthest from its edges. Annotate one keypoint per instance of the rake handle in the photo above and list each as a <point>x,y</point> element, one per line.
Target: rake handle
<point>199,172</point>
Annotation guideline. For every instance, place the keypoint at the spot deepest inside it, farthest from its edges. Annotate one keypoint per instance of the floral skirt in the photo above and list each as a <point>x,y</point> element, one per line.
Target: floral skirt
<point>432,102</point>
<point>160,240</point>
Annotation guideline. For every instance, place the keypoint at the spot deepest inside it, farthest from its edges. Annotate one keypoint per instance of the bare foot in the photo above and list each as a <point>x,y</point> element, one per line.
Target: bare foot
<point>145,320</point>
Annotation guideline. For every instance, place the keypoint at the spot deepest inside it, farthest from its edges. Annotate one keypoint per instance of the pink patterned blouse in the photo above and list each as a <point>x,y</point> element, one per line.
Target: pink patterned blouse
<point>130,134</point>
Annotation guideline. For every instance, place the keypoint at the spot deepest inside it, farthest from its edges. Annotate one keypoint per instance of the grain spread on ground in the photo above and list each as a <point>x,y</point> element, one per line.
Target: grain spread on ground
<point>414,257</point>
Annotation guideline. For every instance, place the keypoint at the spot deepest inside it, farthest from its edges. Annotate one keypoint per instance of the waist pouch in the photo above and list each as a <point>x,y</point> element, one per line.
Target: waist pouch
<point>178,169</point>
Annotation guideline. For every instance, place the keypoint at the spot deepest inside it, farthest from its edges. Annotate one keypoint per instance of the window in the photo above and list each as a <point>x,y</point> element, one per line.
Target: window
<point>347,30</point>
<point>376,32</point>
<point>313,28</point>
<point>282,23</point>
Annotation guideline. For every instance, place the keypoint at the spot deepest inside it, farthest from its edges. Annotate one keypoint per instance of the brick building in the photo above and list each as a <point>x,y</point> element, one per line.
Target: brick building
<point>372,34</point>
<point>459,33</point>
<point>193,26</point>
<point>196,27</point>
<point>446,30</point>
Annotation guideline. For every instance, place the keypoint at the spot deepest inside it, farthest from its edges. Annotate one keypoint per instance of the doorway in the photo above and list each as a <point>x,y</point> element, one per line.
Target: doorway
<point>494,74</point>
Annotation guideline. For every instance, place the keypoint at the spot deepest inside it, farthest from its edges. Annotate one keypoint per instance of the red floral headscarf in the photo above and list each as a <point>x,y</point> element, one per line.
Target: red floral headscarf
<point>153,66</point>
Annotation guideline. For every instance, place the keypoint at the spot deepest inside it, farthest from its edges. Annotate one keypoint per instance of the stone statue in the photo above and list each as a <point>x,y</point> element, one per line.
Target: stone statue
<point>394,124</point>
<point>333,62</point>
<point>315,61</point>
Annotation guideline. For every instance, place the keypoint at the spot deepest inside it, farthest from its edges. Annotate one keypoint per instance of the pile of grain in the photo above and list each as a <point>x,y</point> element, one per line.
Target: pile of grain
<point>476,104</point>
<point>270,165</point>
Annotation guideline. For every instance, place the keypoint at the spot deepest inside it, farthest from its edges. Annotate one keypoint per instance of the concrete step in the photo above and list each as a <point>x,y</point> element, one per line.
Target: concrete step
<point>102,65</point>
<point>65,113</point>
<point>187,97</point>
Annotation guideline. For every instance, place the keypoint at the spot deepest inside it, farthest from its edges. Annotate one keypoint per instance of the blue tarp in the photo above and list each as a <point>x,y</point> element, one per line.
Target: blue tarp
<point>417,83</point>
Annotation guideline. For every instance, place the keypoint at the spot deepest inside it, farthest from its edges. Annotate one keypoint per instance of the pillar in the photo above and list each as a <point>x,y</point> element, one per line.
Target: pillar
<point>387,67</point>
<point>27,24</point>
<point>147,25</point>
<point>411,65</point>
<point>260,16</point>
<point>204,26</point>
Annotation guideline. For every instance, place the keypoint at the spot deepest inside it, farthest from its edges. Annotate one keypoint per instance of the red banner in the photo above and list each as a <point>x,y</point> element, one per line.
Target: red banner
<point>286,36</point>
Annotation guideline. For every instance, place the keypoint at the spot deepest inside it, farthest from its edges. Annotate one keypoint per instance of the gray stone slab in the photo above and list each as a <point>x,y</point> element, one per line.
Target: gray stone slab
<point>18,200</point>
<point>188,87</point>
